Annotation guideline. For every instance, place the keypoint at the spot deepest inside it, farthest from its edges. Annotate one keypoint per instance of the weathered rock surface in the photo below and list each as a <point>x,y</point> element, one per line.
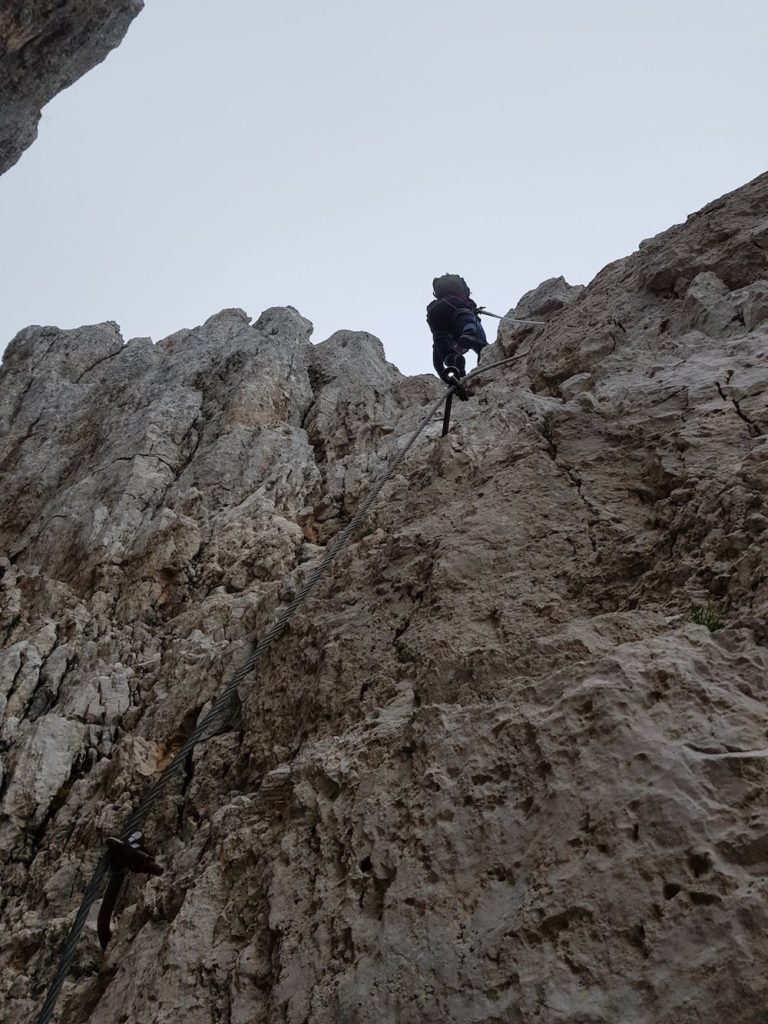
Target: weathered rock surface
<point>538,304</point>
<point>45,46</point>
<point>547,299</point>
<point>496,771</point>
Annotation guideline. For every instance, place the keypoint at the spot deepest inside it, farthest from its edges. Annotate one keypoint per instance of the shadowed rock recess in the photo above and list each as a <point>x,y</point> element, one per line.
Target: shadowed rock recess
<point>45,46</point>
<point>499,769</point>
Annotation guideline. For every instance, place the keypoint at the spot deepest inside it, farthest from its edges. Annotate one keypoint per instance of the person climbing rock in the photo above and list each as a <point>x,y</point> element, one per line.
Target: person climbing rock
<point>453,319</point>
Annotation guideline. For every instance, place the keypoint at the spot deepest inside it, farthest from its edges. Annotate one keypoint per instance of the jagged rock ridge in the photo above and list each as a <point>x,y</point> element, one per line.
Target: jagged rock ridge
<point>45,46</point>
<point>495,771</point>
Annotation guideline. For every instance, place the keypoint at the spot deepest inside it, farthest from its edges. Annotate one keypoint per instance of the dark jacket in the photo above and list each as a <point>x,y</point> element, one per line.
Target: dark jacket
<point>456,329</point>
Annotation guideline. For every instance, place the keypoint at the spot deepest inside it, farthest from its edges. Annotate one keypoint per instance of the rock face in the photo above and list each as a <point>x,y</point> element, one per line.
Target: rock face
<point>499,769</point>
<point>539,304</point>
<point>548,298</point>
<point>45,46</point>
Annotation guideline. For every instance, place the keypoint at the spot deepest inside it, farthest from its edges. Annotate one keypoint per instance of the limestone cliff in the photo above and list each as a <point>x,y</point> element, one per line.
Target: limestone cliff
<point>508,765</point>
<point>45,46</point>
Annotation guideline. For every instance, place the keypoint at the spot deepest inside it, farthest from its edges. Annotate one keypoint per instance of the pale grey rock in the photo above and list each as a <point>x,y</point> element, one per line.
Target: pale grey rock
<point>494,770</point>
<point>47,753</point>
<point>708,305</point>
<point>546,299</point>
<point>101,700</point>
<point>575,385</point>
<point>59,887</point>
<point>311,552</point>
<point>756,305</point>
<point>540,303</point>
<point>45,47</point>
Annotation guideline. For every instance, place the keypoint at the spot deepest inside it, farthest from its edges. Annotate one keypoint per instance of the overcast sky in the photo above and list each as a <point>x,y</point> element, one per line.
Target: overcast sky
<point>336,156</point>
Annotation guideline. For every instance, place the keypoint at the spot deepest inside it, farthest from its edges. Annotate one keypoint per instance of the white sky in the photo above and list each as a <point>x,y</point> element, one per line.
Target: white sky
<point>336,156</point>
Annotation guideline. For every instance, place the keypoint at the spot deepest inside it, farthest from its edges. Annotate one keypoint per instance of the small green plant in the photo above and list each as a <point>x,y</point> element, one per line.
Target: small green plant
<point>709,614</point>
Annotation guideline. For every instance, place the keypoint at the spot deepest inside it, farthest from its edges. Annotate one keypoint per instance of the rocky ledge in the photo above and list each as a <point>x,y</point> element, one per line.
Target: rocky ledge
<point>509,764</point>
<point>45,46</point>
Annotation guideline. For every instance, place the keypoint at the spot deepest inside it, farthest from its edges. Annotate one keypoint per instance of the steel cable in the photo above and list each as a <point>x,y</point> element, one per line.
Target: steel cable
<point>223,701</point>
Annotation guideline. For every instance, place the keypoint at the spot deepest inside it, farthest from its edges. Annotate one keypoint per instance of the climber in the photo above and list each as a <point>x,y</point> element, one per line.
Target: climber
<point>455,325</point>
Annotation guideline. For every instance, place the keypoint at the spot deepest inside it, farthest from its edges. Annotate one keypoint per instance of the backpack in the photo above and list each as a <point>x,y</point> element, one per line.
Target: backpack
<point>450,284</point>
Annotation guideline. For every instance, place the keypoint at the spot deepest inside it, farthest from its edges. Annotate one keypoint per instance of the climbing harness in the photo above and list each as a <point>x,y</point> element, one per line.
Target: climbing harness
<point>511,319</point>
<point>125,849</point>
